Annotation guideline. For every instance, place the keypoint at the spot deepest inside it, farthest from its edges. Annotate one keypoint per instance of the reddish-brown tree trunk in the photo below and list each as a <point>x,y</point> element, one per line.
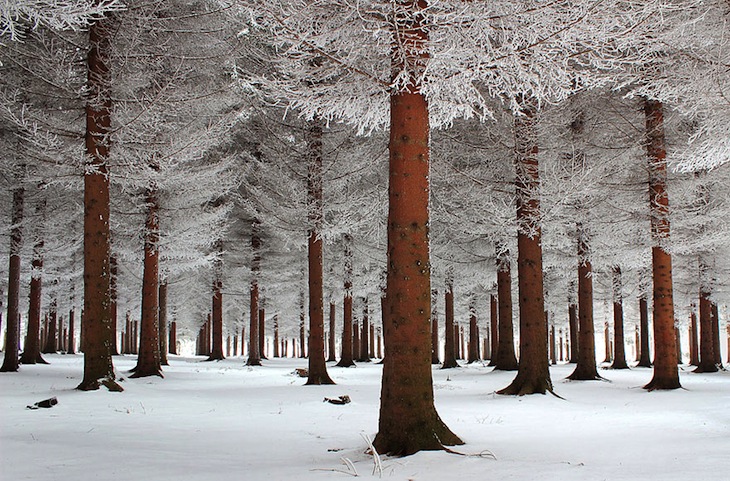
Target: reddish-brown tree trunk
<point>450,330</point>
<point>332,339</point>
<point>365,334</point>
<point>574,330</point>
<point>694,347</point>
<point>434,328</point>
<point>71,330</point>
<point>506,358</point>
<point>619,349</point>
<point>346,355</point>
<point>356,339</point>
<point>533,375</point>
<point>277,351</point>
<point>303,328</point>
<point>262,331</point>
<point>113,300</point>
<point>644,355</point>
<point>12,334</point>
<point>162,319</point>
<point>586,369</point>
<point>494,330</point>
<point>216,352</point>
<point>31,348</point>
<point>51,346</point>
<point>716,336</point>
<point>98,331</point>
<point>408,420</point>
<point>148,360</point>
<point>707,346</point>
<point>553,354</point>
<point>473,354</point>
<point>666,372</point>
<point>173,337</point>
<point>254,352</point>
<point>317,364</point>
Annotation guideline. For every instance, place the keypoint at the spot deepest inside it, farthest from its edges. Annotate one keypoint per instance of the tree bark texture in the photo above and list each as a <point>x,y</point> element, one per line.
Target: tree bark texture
<point>707,346</point>
<point>254,353</point>
<point>262,331</point>
<point>365,334</point>
<point>12,334</point>
<point>71,331</point>
<point>216,352</point>
<point>408,420</point>
<point>666,372</point>
<point>716,335</point>
<point>317,364</point>
<point>586,369</point>
<point>434,328</point>
<point>162,320</point>
<point>644,355</point>
<point>113,300</point>
<point>574,332</point>
<point>494,330</point>
<point>332,339</point>
<point>346,355</point>
<point>451,337</point>
<point>51,344</point>
<point>148,359</point>
<point>31,347</point>
<point>619,347</point>
<point>533,375</point>
<point>506,357</point>
<point>473,354</point>
<point>97,328</point>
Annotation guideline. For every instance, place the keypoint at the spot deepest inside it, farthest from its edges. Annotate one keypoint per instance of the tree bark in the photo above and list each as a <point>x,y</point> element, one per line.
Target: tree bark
<point>113,301</point>
<point>254,353</point>
<point>317,364</point>
<point>666,372</point>
<point>277,351</point>
<point>173,337</point>
<point>494,330</point>
<point>346,356</point>
<point>586,369</point>
<point>716,335</point>
<point>473,354</point>
<point>148,360</point>
<point>97,328</point>
<point>162,316</point>
<point>707,345</point>
<point>533,375</point>
<point>506,358</point>
<point>12,334</point>
<point>71,330</point>
<point>644,355</point>
<point>51,345</point>
<point>434,328</point>
<point>619,348</point>
<point>216,352</point>
<point>574,332</point>
<point>332,344</point>
<point>694,348</point>
<point>451,336</point>
<point>262,331</point>
<point>408,420</point>
<point>31,347</point>
<point>365,334</point>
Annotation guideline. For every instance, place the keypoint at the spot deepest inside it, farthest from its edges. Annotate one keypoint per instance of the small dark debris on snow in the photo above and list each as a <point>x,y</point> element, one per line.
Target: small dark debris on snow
<point>46,403</point>
<point>340,400</point>
<point>301,372</point>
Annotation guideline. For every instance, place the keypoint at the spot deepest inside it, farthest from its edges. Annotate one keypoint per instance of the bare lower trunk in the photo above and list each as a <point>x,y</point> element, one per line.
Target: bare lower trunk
<point>216,352</point>
<point>451,336</point>
<point>317,365</point>
<point>574,331</point>
<point>408,420</point>
<point>332,339</point>
<point>164,342</point>
<point>31,347</point>
<point>694,348</point>
<point>434,329</point>
<point>506,358</point>
<point>365,334</point>
<point>346,355</point>
<point>666,373</point>
<point>473,355</point>
<point>644,356</point>
<point>707,346</point>
<point>254,354</point>
<point>12,334</point>
<point>533,375</point>
<point>619,350</point>
<point>494,333</point>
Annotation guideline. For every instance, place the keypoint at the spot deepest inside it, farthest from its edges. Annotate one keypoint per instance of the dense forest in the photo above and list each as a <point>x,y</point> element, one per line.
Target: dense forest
<point>422,182</point>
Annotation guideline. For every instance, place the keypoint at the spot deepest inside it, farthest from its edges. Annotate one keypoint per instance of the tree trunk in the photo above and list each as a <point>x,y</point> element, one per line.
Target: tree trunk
<point>216,352</point>
<point>451,335</point>
<point>533,375</point>
<point>694,347</point>
<point>113,300</point>
<point>302,328</point>
<point>148,360</point>
<point>71,329</point>
<point>434,328</point>
<point>644,355</point>
<point>173,337</point>
<point>12,334</point>
<point>494,333</point>
<point>254,353</point>
<point>365,334</point>
<point>619,349</point>
<point>607,342</point>
<point>473,354</point>
<point>277,351</point>
<point>716,336</point>
<point>574,332</point>
<point>707,345</point>
<point>408,420</point>
<point>162,316</point>
<point>31,348</point>
<point>666,372</point>
<point>586,369</point>
<point>332,344</point>
<point>317,364</point>
<point>346,355</point>
<point>51,346</point>
<point>97,328</point>
<point>506,358</point>
<point>262,331</point>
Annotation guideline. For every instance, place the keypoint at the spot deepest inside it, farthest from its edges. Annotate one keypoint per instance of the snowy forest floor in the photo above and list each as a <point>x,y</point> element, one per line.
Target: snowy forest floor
<point>223,420</point>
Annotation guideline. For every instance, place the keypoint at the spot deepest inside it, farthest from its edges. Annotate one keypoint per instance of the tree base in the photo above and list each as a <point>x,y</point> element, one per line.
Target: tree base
<point>450,364</point>
<point>662,384</point>
<point>343,363</point>
<point>620,365</point>
<point>253,362</point>
<point>146,373</point>
<point>95,384</point>
<point>706,367</point>
<point>214,358</point>
<point>523,385</point>
<point>585,374</point>
<point>323,379</point>
<point>37,359</point>
<point>433,440</point>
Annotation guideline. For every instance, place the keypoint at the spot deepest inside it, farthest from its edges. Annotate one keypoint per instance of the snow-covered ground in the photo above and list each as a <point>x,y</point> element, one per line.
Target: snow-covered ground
<point>225,421</point>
